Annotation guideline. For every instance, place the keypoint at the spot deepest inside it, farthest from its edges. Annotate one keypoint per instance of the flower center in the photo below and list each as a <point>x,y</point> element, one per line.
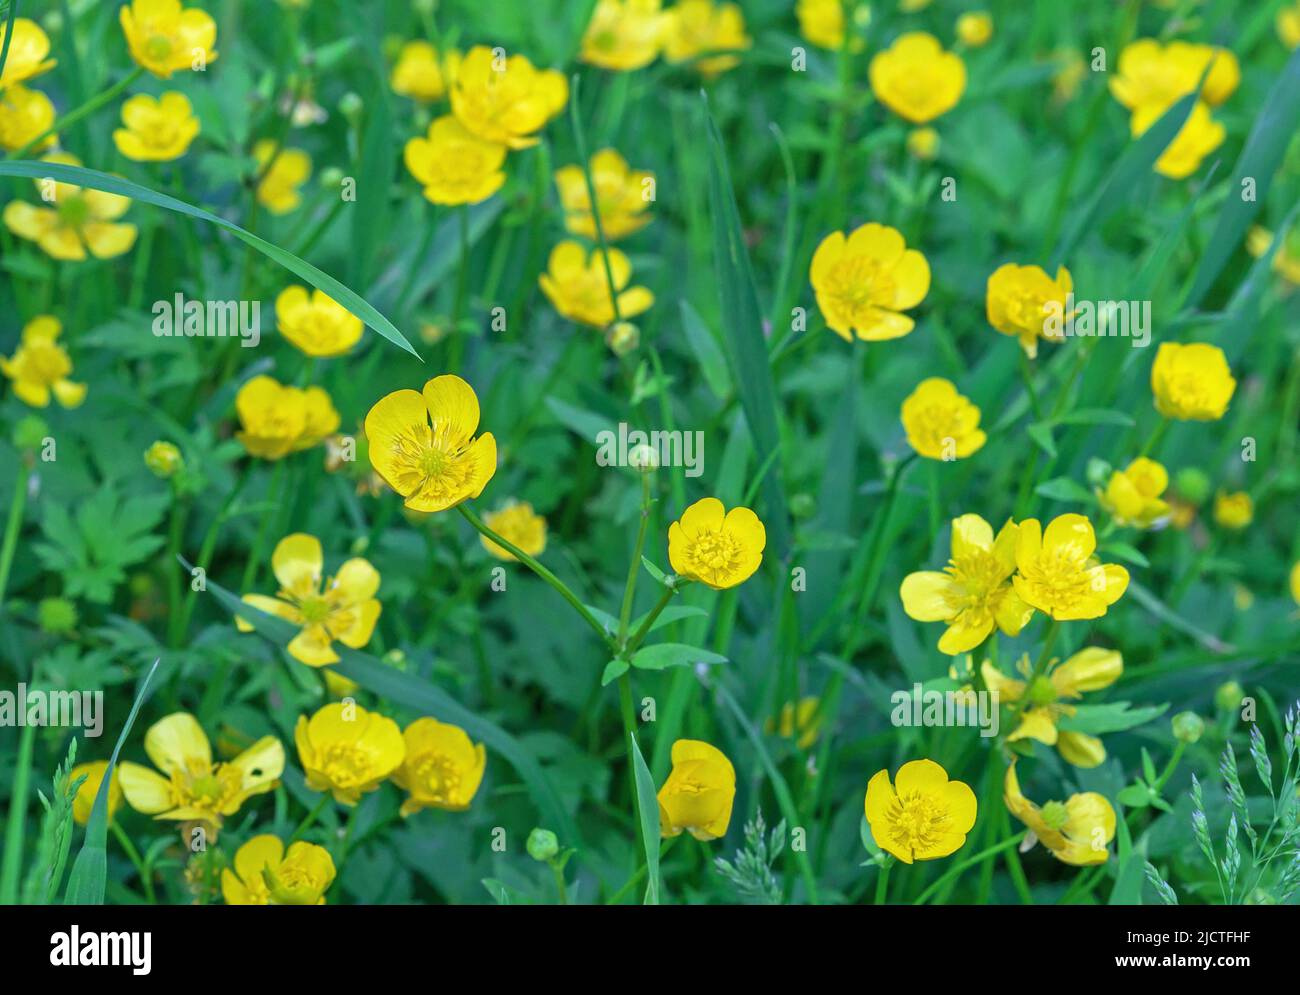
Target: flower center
<point>314,610</point>
<point>716,554</point>
<point>916,821</point>
<point>1055,815</point>
<point>345,764</point>
<point>74,211</point>
<point>439,775</point>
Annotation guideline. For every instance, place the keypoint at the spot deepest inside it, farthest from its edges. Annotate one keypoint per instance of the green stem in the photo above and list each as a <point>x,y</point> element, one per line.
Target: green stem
<point>634,569</point>
<point>13,856</point>
<point>12,527</point>
<point>643,629</point>
<point>145,873</point>
<point>310,818</point>
<point>73,116</point>
<point>254,563</point>
<point>580,140</point>
<point>970,862</point>
<point>882,882</point>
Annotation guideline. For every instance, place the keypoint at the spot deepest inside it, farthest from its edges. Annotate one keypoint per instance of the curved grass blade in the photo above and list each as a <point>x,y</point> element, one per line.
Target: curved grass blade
<point>93,178</point>
<point>648,806</point>
<point>9,35</point>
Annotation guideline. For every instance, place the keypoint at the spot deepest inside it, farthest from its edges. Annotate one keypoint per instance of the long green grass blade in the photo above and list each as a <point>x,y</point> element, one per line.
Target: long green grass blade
<point>648,804</point>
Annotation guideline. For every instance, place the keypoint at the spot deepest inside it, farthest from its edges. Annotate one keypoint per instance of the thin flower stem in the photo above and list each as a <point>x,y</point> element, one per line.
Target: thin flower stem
<point>882,882</point>
<point>73,116</point>
<point>970,862</point>
<point>634,569</point>
<point>310,818</point>
<point>255,557</point>
<point>580,140</point>
<point>644,629</point>
<point>12,527</point>
<point>146,875</point>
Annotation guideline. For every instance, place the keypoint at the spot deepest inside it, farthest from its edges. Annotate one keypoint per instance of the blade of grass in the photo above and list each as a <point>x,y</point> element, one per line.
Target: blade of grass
<point>648,805</point>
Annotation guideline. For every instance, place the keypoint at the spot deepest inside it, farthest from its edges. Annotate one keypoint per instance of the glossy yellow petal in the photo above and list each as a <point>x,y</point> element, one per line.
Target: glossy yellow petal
<point>177,741</point>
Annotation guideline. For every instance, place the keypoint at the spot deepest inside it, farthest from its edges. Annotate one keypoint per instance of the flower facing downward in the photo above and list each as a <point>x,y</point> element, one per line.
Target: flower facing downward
<point>577,284</point>
<point>191,786</point>
<point>865,280</point>
<point>454,165</point>
<point>315,322</point>
<point>974,592</point>
<point>156,130</point>
<point>1132,495</point>
<point>40,366</point>
<point>28,51</point>
<point>1191,382</point>
<point>344,609</point>
<point>165,39</point>
<point>518,524</point>
<point>1076,831</point>
<point>623,35</point>
<point>1023,301</point>
<point>423,445</point>
<point>622,197</point>
<point>443,767</point>
<point>916,79</point>
<point>25,115</point>
<point>923,815</point>
<point>714,546</point>
<point>282,172</point>
<point>1058,574</point>
<point>699,792</point>
<point>347,750</point>
<point>506,100</point>
<point>421,74</point>
<point>80,220</point>
<point>85,799</point>
<point>264,874</point>
<point>940,423</point>
<point>699,27</point>
<point>1233,511</point>
<point>1199,136</point>
<point>277,420</point>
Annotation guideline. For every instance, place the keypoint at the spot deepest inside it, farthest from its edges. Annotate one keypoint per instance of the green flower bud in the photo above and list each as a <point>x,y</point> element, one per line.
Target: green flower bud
<point>1228,697</point>
<point>1187,726</point>
<point>1192,484</point>
<point>622,337</point>
<point>1041,691</point>
<point>163,460</point>
<point>56,616</point>
<point>331,178</point>
<point>30,432</point>
<point>543,844</point>
<point>351,106</point>
<point>1055,814</point>
<point>802,505</point>
<point>396,659</point>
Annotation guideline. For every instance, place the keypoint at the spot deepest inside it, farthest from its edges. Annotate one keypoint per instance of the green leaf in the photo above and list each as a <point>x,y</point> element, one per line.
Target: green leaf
<point>1042,435</point>
<point>673,613</point>
<point>664,655</point>
<point>95,180</point>
<point>613,671</point>
<point>647,804</point>
<point>1096,720</point>
<point>1125,552</point>
<point>1134,796</point>
<point>1095,416</point>
<point>655,572</point>
<point>1132,869</point>
<point>707,353</point>
<point>1064,489</point>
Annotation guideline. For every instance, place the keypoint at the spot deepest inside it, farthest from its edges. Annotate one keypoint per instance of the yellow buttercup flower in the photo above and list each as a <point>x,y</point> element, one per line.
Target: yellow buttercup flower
<point>1191,382</point>
<point>974,592</point>
<point>823,22</point>
<point>1132,495</point>
<point>423,445</point>
<point>24,116</point>
<point>506,101</point>
<point>700,27</point>
<point>1233,511</point>
<point>163,459</point>
<point>940,423</point>
<point>164,38</point>
<point>623,34</point>
<point>1288,25</point>
<point>1152,75</point>
<point>1022,300</point>
<point>1058,574</point>
<point>453,165</point>
<point>28,52</point>
<point>283,172</point>
<point>923,143</point>
<point>345,608</point>
<point>315,322</point>
<point>80,221</point>
<point>1076,831</point>
<point>865,280</point>
<point>577,284</point>
<point>714,546</point>
<point>277,420</point>
<point>443,767</point>
<point>421,73</point>
<point>40,366</point>
<point>802,719</point>
<point>85,798</point>
<point>1286,261</point>
<point>519,524</point>
<point>347,750</point>
<point>1048,698</point>
<point>916,79</point>
<point>264,874</point>
<point>156,130</point>
<point>975,28</point>
<point>699,792</point>
<point>923,815</point>
<point>191,786</point>
<point>1199,136</point>
<point>623,197</point>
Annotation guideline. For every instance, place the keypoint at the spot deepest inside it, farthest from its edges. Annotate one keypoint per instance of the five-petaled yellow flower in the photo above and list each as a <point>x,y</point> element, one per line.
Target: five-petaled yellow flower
<point>347,750</point>
<point>916,79</point>
<point>265,874</point>
<point>623,197</point>
<point>624,34</point>
<point>277,420</point>
<point>1191,382</point>
<point>40,366</point>
<point>156,130</point>
<point>315,322</point>
<point>164,38</point>
<point>421,73</point>
<point>519,525</point>
<point>975,28</point>
<point>1155,75</point>
<point>1197,138</point>
<point>864,281</point>
<point>423,444</point>
<point>697,28</point>
<point>922,815</point>
<point>454,165</point>
<point>25,115</point>
<point>282,172</point>
<point>699,792</point>
<point>578,286</point>
<point>1076,831</point>
<point>85,799</point>
<point>81,220</point>
<point>1235,510</point>
<point>1025,302</point>
<point>714,546</point>
<point>940,423</point>
<point>1058,574</point>
<point>345,608</point>
<point>28,52</point>
<point>1132,495</point>
<point>506,100</point>
<point>191,786</point>
<point>1048,700</point>
<point>443,767</point>
<point>974,592</point>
